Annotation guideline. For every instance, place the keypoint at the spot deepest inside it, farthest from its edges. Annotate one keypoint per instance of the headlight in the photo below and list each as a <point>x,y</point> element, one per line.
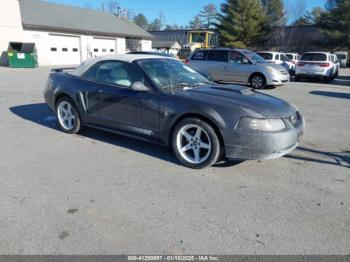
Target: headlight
<point>262,124</point>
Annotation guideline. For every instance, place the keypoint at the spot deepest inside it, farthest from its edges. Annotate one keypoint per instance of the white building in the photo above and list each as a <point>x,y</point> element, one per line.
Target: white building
<point>67,35</point>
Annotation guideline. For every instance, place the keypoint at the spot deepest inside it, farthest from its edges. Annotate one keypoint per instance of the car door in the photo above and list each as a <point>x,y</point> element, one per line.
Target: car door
<point>216,62</point>
<point>114,104</point>
<point>238,69</point>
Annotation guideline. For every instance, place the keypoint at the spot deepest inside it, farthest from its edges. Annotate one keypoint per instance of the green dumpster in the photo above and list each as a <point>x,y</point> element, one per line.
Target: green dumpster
<point>21,55</point>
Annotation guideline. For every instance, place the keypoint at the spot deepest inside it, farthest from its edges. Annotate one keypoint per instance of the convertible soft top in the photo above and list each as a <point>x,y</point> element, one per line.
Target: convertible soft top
<point>128,58</point>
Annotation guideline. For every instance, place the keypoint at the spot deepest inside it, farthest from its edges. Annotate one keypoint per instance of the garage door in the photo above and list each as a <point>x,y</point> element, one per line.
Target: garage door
<point>64,50</point>
<point>103,46</point>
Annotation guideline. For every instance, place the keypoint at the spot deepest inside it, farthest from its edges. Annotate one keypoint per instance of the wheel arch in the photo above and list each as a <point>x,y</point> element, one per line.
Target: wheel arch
<point>256,73</point>
<point>210,122</point>
<point>60,95</point>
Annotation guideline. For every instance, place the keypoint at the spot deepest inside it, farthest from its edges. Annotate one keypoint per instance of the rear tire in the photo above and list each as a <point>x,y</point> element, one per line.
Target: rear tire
<point>68,117</point>
<point>257,81</point>
<point>195,143</point>
<point>297,78</point>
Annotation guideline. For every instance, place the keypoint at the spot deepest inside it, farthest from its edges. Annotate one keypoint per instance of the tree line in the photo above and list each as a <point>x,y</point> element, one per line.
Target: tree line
<point>249,23</point>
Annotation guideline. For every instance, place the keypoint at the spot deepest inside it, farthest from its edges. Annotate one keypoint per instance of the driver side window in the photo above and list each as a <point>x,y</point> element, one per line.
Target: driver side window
<point>237,58</point>
<point>116,73</point>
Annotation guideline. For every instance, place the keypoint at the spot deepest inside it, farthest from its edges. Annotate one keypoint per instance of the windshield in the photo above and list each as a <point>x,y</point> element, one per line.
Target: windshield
<point>341,56</point>
<point>314,57</point>
<point>266,56</point>
<point>254,57</point>
<point>184,53</point>
<point>290,57</point>
<point>169,74</point>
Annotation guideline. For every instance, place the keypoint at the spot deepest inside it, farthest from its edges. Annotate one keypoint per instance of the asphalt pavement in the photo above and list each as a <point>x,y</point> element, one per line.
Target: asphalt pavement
<point>99,193</point>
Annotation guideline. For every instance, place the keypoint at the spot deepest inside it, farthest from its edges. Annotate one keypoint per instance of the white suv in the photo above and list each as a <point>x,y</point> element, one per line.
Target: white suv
<point>276,58</point>
<point>316,65</point>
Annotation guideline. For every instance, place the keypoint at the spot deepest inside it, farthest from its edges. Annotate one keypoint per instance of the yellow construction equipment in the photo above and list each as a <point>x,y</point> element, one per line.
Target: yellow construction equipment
<point>197,39</point>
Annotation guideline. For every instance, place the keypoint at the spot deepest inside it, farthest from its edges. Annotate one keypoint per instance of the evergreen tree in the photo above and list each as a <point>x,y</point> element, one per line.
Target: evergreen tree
<point>336,22</point>
<point>208,15</point>
<point>156,25</point>
<point>196,23</point>
<point>241,23</point>
<point>141,21</point>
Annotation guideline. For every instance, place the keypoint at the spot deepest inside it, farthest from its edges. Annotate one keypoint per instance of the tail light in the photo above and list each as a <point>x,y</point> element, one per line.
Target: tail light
<point>187,61</point>
<point>324,65</point>
<point>301,64</point>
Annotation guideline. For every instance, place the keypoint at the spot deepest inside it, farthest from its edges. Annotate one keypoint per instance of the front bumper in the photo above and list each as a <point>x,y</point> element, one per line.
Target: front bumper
<point>277,79</point>
<point>259,145</point>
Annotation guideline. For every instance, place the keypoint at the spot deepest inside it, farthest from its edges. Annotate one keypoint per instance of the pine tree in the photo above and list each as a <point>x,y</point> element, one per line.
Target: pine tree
<point>336,22</point>
<point>240,23</point>
<point>196,23</point>
<point>208,15</point>
<point>141,21</point>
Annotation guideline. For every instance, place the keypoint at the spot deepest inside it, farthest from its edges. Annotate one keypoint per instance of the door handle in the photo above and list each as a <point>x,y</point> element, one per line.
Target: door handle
<point>99,91</point>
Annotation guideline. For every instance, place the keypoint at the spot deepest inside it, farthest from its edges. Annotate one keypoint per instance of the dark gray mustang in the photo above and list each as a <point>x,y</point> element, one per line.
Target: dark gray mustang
<point>161,100</point>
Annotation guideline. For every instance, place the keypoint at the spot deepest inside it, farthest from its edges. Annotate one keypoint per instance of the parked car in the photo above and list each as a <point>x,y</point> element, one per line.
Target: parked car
<point>150,53</point>
<point>277,58</point>
<point>336,62</point>
<point>293,59</point>
<point>161,100</point>
<point>316,65</point>
<point>238,65</point>
<point>342,57</point>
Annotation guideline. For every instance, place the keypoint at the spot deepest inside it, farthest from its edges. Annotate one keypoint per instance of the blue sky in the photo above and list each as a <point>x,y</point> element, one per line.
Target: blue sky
<point>181,11</point>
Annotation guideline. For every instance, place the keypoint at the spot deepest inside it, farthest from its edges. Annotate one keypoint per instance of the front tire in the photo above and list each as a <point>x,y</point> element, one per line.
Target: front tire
<point>67,115</point>
<point>195,143</point>
<point>257,81</point>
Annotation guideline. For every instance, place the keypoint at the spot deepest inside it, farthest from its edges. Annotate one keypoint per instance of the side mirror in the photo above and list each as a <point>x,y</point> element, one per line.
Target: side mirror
<point>139,86</point>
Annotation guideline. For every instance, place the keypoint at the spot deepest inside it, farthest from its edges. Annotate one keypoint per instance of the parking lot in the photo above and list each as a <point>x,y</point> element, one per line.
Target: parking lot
<point>99,193</point>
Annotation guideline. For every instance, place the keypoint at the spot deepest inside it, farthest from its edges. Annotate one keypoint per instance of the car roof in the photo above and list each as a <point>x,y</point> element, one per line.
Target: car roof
<point>128,58</point>
<point>271,52</point>
<point>149,53</point>
<point>315,52</point>
<point>223,49</point>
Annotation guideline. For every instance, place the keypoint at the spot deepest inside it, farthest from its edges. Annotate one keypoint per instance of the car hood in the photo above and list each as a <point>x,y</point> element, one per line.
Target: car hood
<point>229,95</point>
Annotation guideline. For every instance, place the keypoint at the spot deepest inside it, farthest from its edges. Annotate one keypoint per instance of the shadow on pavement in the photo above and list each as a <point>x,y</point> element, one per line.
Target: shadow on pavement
<point>339,81</point>
<point>41,114</point>
<point>323,157</point>
<point>331,94</point>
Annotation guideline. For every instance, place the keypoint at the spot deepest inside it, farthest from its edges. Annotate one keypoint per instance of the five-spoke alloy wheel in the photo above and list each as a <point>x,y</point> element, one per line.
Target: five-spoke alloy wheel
<point>68,116</point>
<point>196,143</point>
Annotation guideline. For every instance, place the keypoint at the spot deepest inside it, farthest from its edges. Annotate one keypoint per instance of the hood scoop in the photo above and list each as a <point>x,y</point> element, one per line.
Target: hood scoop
<point>241,91</point>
